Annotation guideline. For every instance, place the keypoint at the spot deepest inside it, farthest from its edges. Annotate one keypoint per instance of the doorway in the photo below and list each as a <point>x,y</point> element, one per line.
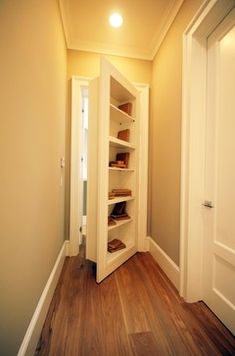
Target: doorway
<point>80,93</point>
<point>194,143</point>
<point>218,214</point>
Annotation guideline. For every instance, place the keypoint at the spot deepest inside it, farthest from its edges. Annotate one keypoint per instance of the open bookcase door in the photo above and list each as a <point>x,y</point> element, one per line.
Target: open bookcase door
<point>113,163</point>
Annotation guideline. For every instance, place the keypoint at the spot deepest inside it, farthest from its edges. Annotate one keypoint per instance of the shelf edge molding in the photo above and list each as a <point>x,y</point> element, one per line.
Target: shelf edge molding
<point>116,142</point>
<point>119,200</point>
<point>119,223</point>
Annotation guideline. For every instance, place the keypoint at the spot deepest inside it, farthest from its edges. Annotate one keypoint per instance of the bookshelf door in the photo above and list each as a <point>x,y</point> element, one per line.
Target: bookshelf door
<point>114,109</point>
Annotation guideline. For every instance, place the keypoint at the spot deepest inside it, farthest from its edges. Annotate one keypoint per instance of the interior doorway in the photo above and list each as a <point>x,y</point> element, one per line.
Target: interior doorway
<point>218,212</point>
<point>80,93</point>
<point>194,142</point>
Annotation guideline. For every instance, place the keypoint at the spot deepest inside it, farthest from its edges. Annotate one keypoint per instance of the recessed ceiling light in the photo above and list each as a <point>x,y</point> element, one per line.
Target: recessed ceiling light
<point>115,20</point>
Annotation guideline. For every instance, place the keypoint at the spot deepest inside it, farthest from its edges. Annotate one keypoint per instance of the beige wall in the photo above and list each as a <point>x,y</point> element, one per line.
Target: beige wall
<point>87,64</point>
<point>165,130</point>
<point>32,129</point>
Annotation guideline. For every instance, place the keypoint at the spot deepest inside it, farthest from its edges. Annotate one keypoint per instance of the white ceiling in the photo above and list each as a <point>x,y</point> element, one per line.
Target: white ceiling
<point>145,23</point>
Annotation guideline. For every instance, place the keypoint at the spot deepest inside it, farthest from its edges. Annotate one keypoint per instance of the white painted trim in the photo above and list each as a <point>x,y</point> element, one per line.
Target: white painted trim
<point>148,243</point>
<point>165,262</point>
<point>67,248</point>
<point>75,163</point>
<point>92,170</point>
<point>143,164</point>
<point>33,332</point>
<point>110,50</point>
<point>169,21</point>
<point>193,144</point>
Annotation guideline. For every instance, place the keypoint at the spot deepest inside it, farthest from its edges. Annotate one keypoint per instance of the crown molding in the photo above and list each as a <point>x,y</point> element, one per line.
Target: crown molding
<point>147,53</point>
<point>104,48</point>
<point>165,28</point>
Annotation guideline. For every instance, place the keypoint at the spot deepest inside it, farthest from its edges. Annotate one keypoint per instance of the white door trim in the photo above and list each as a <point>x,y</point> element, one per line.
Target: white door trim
<point>75,162</point>
<point>77,83</point>
<point>143,164</point>
<point>193,143</point>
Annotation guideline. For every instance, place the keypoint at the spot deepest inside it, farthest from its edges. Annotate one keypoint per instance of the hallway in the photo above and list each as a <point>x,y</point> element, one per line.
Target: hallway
<point>134,311</point>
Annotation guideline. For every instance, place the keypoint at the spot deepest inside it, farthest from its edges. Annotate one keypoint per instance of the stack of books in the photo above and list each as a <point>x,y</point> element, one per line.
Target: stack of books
<point>122,160</point>
<point>111,195</point>
<point>115,245</point>
<point>119,211</point>
<point>119,193</point>
<point>124,156</point>
<point>117,164</point>
<point>111,221</point>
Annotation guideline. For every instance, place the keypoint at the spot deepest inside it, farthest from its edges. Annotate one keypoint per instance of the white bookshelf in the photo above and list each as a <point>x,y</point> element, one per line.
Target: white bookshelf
<point>112,90</point>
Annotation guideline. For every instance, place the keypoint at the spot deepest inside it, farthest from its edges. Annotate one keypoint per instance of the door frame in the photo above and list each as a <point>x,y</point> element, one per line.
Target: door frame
<point>77,83</point>
<point>75,162</point>
<point>193,146</point>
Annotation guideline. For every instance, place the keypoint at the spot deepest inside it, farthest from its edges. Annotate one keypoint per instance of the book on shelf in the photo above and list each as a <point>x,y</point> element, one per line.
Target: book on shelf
<point>121,190</point>
<point>111,221</point>
<point>119,209</point>
<point>117,164</point>
<point>115,245</point>
<point>111,195</point>
<point>127,108</point>
<point>124,135</point>
<point>119,193</point>
<point>124,156</point>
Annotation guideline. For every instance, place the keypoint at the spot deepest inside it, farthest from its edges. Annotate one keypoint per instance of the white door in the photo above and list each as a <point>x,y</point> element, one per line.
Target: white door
<point>219,209</point>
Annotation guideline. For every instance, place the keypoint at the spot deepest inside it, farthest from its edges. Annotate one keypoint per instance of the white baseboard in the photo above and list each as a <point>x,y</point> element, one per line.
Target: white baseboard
<point>148,243</point>
<point>165,262</point>
<point>33,332</point>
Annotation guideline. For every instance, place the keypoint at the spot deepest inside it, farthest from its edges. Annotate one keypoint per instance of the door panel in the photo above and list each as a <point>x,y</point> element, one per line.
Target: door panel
<point>219,257</point>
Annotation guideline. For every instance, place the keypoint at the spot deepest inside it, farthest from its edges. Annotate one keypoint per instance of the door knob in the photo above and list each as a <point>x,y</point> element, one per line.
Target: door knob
<point>208,204</point>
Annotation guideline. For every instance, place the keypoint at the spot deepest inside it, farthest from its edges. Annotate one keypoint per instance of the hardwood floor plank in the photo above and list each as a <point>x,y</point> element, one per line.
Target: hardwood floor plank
<point>182,314</point>
<point>188,334</point>
<point>134,311</point>
<point>144,344</point>
<point>103,331</point>
<point>133,300</point>
<point>219,335</point>
<point>155,315</point>
<point>68,320</point>
<point>160,323</point>
<point>46,340</point>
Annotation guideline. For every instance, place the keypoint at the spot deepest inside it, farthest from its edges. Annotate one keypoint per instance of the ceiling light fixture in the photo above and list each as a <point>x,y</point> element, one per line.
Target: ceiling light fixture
<point>115,20</point>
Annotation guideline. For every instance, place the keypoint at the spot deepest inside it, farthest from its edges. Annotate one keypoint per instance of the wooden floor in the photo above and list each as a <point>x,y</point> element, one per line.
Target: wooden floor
<point>135,311</point>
